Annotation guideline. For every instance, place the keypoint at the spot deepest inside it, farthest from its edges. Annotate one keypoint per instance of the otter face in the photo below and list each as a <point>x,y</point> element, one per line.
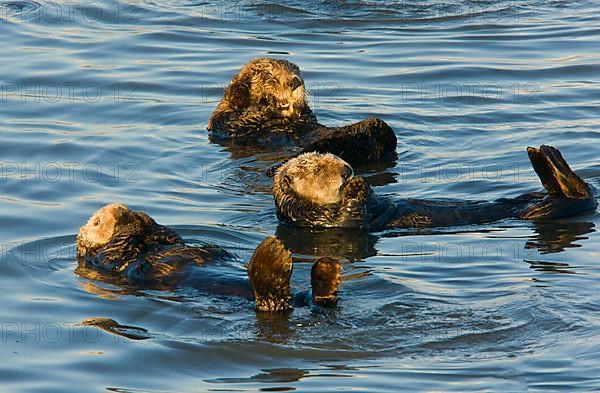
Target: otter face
<point>275,84</point>
<point>103,225</point>
<point>318,178</point>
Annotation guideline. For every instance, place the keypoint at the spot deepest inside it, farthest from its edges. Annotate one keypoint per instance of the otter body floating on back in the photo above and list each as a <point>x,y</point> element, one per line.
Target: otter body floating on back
<point>265,105</point>
<point>128,247</point>
<point>319,190</point>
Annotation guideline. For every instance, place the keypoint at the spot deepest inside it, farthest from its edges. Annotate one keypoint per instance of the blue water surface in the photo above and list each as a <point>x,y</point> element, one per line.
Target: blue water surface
<point>107,101</point>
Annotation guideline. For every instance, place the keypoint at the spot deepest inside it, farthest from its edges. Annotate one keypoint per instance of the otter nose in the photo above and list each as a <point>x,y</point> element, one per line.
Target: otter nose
<point>347,173</point>
<point>295,83</point>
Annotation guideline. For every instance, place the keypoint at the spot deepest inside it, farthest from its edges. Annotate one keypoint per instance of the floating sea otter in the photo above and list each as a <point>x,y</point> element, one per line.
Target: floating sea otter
<point>320,190</point>
<point>265,105</point>
<point>131,248</point>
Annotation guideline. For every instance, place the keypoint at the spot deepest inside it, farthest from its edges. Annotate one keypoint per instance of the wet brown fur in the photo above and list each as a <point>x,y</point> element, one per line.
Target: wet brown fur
<point>128,245</point>
<point>269,270</point>
<point>263,89</point>
<point>265,105</point>
<point>325,279</point>
<point>299,184</point>
<point>316,189</point>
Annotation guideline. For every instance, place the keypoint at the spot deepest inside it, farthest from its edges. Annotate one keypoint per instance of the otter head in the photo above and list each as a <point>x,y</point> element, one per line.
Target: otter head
<point>271,84</point>
<point>315,189</point>
<point>109,221</point>
<point>316,177</point>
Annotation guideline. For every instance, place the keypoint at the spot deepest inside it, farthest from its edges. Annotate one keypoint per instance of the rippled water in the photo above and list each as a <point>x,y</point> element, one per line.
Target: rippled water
<point>108,101</point>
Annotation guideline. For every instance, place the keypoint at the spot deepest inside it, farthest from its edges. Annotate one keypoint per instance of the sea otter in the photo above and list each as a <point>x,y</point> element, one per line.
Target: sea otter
<point>129,247</point>
<point>265,105</point>
<point>320,190</point>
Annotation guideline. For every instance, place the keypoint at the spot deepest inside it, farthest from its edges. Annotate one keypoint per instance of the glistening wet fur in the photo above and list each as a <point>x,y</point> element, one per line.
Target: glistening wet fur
<point>299,181</point>
<point>129,248</point>
<point>265,105</point>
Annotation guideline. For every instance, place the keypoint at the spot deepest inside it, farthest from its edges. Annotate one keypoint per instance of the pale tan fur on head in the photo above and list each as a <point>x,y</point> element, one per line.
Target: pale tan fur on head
<point>103,225</point>
<point>272,83</point>
<point>316,177</point>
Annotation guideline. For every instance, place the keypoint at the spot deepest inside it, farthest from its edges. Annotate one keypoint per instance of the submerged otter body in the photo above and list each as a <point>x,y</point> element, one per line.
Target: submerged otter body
<point>265,105</point>
<point>133,248</point>
<point>318,190</point>
<point>129,248</point>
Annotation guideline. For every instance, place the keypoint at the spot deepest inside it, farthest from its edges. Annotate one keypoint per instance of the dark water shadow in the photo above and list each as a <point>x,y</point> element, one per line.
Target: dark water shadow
<point>346,243</point>
<point>275,328</point>
<point>281,375</point>
<point>552,236</point>
<point>551,267</point>
<point>257,166</point>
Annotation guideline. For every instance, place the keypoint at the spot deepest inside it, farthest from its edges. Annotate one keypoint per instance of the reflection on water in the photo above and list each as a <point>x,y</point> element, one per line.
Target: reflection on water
<point>111,326</point>
<point>272,375</point>
<point>255,167</point>
<point>552,237</point>
<point>552,267</point>
<point>274,327</point>
<point>349,244</point>
<point>555,236</point>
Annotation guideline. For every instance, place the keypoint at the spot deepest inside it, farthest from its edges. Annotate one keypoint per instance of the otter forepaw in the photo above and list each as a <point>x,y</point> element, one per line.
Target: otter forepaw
<point>325,280</point>
<point>356,189</point>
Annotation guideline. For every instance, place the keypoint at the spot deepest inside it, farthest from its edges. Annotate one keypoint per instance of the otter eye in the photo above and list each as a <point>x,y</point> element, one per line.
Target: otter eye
<point>347,173</point>
<point>295,83</point>
<point>96,222</point>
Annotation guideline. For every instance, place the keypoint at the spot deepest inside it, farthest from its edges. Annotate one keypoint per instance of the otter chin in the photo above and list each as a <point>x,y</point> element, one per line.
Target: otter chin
<point>319,190</point>
<point>123,246</point>
<point>266,105</point>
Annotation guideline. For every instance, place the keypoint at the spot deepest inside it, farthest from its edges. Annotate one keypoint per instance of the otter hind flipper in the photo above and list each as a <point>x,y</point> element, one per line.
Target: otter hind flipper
<point>568,194</point>
<point>269,270</point>
<point>556,175</point>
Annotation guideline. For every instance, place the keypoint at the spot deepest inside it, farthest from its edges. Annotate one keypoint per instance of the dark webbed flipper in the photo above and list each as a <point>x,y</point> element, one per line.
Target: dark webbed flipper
<point>556,175</point>
<point>269,270</point>
<point>568,194</point>
<point>366,141</point>
<point>325,277</point>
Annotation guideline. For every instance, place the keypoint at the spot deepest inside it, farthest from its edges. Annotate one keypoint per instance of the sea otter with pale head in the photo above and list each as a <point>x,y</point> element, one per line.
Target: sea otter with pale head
<point>320,190</point>
<point>126,247</point>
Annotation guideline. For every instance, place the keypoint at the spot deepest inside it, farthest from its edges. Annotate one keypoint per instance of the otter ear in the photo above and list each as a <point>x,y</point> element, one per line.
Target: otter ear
<point>272,171</point>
